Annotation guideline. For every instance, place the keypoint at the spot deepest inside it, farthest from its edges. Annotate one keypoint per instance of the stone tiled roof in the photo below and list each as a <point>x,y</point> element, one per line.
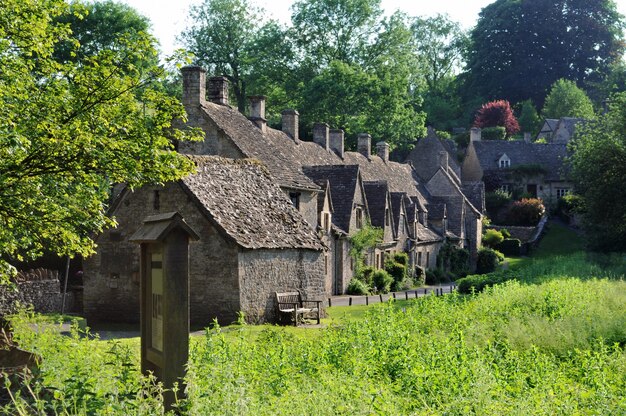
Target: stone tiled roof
<point>426,234</point>
<point>397,199</point>
<point>437,210</point>
<point>475,192</point>
<point>376,194</point>
<point>549,156</point>
<point>425,157</point>
<point>343,181</point>
<point>240,197</point>
<point>254,144</point>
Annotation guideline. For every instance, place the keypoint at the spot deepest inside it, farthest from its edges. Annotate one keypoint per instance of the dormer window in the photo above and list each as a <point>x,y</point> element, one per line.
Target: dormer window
<point>295,199</point>
<point>504,162</point>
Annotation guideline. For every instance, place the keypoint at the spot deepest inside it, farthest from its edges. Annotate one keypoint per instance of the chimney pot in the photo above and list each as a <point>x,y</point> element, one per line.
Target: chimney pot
<point>194,85</point>
<point>257,111</point>
<point>382,148</point>
<point>218,90</point>
<point>290,123</point>
<point>364,144</point>
<point>475,134</point>
<point>337,142</point>
<point>321,135</point>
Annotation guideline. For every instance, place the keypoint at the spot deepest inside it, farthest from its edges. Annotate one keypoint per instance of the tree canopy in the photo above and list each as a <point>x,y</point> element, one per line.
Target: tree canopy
<point>519,48</point>
<point>497,114</point>
<point>565,99</point>
<point>599,173</point>
<point>69,130</point>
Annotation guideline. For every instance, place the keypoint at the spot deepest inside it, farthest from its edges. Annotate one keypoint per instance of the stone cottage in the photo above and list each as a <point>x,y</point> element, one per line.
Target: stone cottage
<point>253,242</point>
<point>535,169</point>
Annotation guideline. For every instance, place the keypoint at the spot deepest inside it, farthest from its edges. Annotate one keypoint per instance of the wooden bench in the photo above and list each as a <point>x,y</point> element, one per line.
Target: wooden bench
<point>293,307</point>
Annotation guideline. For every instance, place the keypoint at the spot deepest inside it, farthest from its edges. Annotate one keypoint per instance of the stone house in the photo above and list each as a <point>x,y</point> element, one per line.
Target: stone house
<point>253,242</point>
<point>230,133</point>
<point>559,131</point>
<point>535,169</point>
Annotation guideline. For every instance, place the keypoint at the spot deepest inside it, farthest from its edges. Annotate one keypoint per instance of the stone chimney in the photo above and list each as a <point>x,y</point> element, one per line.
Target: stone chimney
<point>257,111</point>
<point>364,144</point>
<point>475,134</point>
<point>290,123</point>
<point>443,159</point>
<point>321,134</point>
<point>382,148</point>
<point>218,90</point>
<point>527,137</point>
<point>194,85</point>
<point>336,142</point>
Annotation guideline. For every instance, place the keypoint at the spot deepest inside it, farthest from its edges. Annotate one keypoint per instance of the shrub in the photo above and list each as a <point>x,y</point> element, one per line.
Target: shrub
<point>493,133</point>
<point>492,238</point>
<point>401,258</point>
<point>510,247</point>
<point>382,281</point>
<point>397,271</point>
<point>505,233</point>
<point>453,259</point>
<point>365,275</point>
<point>357,287</point>
<point>478,282</point>
<point>527,212</point>
<point>495,201</point>
<point>435,276</point>
<point>462,140</point>
<point>488,260</point>
<point>420,277</point>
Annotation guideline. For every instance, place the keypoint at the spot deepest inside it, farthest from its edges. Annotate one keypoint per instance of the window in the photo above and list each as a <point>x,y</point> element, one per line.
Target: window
<point>359,218</point>
<point>326,221</point>
<point>505,188</point>
<point>419,258</point>
<point>427,259</point>
<point>505,163</point>
<point>378,266</point>
<point>326,264</point>
<point>295,199</point>
<point>561,192</point>
<point>386,217</point>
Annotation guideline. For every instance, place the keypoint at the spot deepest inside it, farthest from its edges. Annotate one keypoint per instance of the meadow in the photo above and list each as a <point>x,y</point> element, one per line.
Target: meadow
<point>551,342</point>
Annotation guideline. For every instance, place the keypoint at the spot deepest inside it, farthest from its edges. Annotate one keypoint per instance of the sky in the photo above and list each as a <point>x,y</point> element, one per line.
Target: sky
<point>169,17</point>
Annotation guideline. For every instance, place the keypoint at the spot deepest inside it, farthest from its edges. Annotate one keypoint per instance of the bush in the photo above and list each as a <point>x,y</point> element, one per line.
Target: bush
<point>462,140</point>
<point>365,275</point>
<point>401,258</point>
<point>492,238</point>
<point>488,260</point>
<point>505,233</point>
<point>493,133</point>
<point>357,287</point>
<point>510,247</point>
<point>382,281</point>
<point>397,271</point>
<point>495,201</point>
<point>527,212</point>
<point>497,114</point>
<point>435,276</point>
<point>420,277</point>
<point>478,282</point>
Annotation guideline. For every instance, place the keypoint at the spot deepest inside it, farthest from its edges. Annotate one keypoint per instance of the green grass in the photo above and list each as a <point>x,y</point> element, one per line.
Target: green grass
<point>558,241</point>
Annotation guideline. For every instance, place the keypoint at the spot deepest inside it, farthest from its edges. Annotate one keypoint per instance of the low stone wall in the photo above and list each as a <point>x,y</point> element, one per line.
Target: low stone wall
<point>42,291</point>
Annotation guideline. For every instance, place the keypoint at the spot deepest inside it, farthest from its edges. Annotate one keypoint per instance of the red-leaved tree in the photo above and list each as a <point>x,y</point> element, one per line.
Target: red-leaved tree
<point>497,113</point>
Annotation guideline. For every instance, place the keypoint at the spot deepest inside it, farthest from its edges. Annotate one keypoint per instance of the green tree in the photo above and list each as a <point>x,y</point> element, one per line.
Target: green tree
<point>331,30</point>
<point>519,48</point>
<point>227,38</point>
<point>599,173</point>
<point>528,119</point>
<point>565,99</point>
<point>69,130</point>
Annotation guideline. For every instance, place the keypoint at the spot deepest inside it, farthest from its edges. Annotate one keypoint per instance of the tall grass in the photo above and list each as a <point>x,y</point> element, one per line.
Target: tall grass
<point>554,347</point>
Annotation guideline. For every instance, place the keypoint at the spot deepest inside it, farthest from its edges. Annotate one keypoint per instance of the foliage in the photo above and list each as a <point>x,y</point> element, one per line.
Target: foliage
<point>362,241</point>
<point>488,260</point>
<point>401,257</point>
<point>492,238</point>
<point>497,113</point>
<point>510,247</point>
<point>357,287</point>
<point>509,350</point>
<point>526,212</point>
<point>493,133</point>
<point>519,48</point>
<point>70,130</point>
<point>453,259</point>
<point>382,281</point>
<point>435,276</point>
<point>599,173</point>
<point>495,201</point>
<point>505,233</point>
<point>526,171</point>
<point>528,119</point>
<point>365,275</point>
<point>565,99</point>
<point>398,271</point>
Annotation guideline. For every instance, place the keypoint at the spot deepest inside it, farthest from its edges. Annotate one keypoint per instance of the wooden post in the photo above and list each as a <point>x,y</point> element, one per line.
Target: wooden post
<point>381,297</point>
<point>350,301</point>
<point>393,294</point>
<point>330,303</point>
<point>367,300</point>
<point>406,295</point>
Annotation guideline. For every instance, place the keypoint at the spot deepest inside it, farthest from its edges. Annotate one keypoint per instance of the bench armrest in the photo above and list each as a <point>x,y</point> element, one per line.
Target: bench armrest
<point>318,302</point>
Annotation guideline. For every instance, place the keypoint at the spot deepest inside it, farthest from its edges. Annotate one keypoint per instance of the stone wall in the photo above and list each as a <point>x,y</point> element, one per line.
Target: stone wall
<point>43,295</point>
<point>264,272</point>
<point>111,276</point>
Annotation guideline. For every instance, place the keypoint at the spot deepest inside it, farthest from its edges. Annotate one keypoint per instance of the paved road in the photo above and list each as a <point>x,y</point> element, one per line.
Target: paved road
<point>346,300</point>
